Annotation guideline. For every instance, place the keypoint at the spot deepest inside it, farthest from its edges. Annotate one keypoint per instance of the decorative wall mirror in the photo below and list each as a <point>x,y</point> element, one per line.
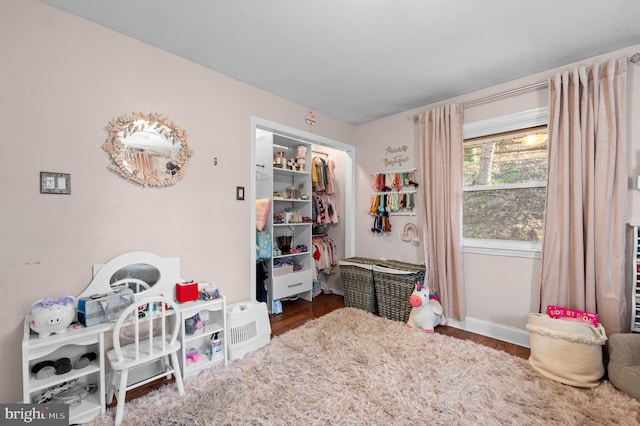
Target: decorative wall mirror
<point>147,149</point>
<point>138,277</point>
<point>136,270</point>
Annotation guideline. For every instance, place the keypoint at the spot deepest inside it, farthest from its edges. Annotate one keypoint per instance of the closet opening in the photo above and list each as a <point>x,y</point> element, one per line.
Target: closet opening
<point>303,206</point>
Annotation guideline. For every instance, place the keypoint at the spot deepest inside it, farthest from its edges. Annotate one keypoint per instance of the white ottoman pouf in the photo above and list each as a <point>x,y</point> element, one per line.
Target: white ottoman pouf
<point>569,352</point>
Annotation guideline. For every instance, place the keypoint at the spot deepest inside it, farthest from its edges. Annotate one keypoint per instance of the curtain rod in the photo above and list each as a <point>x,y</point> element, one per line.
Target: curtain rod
<point>416,118</point>
<point>635,58</point>
<point>506,93</point>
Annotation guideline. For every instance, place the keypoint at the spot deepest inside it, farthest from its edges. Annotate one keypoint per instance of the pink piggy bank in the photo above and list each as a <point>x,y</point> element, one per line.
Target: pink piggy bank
<point>52,316</point>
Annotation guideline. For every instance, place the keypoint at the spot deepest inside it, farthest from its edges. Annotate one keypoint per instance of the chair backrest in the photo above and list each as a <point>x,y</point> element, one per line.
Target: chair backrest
<point>149,329</point>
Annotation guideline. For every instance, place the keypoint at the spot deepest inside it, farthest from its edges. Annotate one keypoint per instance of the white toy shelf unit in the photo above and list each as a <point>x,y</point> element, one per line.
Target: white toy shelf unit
<point>83,349</point>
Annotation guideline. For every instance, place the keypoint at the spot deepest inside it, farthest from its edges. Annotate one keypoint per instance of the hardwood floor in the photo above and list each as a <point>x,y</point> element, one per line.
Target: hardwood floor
<point>297,312</point>
<point>510,348</point>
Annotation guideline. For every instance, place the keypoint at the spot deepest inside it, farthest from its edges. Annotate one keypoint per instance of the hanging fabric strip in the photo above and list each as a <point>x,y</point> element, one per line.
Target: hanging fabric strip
<point>397,181</point>
<point>375,199</point>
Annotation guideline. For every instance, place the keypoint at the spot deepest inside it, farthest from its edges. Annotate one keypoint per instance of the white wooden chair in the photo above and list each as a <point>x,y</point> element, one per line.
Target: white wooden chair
<point>145,348</point>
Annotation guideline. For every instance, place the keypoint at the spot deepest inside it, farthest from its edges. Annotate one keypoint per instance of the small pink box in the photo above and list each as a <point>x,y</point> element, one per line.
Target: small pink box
<point>558,312</point>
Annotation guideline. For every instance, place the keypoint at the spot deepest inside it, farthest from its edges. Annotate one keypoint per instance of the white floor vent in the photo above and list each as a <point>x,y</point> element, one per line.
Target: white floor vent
<point>249,328</point>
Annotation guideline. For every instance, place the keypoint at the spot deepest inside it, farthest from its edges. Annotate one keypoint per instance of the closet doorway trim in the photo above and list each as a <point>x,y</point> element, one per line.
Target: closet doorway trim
<point>348,211</point>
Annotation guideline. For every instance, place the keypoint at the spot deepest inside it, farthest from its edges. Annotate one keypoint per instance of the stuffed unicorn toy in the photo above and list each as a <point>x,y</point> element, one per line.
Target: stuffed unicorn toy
<point>426,312</point>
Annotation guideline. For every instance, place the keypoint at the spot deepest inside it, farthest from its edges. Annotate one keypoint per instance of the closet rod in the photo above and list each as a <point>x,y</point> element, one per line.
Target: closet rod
<point>320,152</point>
<point>635,58</point>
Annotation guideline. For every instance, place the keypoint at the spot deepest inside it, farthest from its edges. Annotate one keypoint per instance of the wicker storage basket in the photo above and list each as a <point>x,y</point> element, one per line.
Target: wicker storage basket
<point>394,282</point>
<point>357,282</point>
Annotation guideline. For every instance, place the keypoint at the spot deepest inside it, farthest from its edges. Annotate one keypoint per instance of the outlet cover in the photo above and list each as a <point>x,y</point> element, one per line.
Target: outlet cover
<point>55,183</point>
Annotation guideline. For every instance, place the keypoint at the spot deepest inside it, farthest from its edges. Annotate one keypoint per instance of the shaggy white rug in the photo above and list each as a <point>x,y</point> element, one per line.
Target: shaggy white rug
<point>353,368</point>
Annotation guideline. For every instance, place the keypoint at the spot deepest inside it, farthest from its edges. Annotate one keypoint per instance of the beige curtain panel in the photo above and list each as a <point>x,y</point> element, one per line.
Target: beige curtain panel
<point>583,250</point>
<point>441,154</point>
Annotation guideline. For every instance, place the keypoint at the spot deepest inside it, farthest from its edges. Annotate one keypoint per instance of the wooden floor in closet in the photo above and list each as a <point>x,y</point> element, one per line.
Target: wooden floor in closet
<point>297,312</point>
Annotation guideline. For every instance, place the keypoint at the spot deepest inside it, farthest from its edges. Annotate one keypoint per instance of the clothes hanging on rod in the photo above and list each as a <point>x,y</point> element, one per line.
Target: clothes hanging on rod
<point>324,209</point>
<point>325,202</point>
<point>330,186</point>
<point>323,175</point>
<point>318,174</point>
<point>325,253</point>
<point>325,212</point>
<point>325,258</point>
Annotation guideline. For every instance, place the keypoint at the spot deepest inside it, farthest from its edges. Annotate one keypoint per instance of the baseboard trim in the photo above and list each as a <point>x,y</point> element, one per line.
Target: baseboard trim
<point>502,332</point>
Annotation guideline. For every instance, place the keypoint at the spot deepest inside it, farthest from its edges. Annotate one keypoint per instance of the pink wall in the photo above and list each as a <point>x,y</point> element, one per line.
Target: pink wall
<point>62,80</point>
<point>373,141</point>
<point>501,290</point>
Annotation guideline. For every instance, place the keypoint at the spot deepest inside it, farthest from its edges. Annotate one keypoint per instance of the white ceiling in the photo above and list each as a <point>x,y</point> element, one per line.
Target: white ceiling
<point>359,60</point>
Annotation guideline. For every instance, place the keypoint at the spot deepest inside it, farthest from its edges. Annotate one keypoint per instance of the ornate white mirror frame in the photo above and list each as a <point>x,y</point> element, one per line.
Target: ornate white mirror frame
<point>168,274</point>
<point>147,149</point>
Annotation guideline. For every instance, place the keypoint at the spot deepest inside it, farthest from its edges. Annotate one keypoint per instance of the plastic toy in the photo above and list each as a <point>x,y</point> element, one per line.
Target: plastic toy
<point>208,351</point>
<point>192,324</point>
<point>52,316</point>
<point>208,292</point>
<point>192,356</point>
<point>426,312</point>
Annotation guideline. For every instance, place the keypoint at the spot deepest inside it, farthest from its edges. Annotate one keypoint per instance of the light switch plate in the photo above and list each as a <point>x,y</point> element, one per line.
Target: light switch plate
<point>55,183</point>
<point>239,192</point>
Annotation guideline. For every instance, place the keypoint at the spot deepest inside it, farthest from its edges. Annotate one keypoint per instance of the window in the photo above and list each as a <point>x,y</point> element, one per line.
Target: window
<point>505,174</point>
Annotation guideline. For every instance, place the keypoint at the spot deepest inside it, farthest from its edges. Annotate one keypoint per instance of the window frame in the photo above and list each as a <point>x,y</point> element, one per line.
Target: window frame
<point>505,123</point>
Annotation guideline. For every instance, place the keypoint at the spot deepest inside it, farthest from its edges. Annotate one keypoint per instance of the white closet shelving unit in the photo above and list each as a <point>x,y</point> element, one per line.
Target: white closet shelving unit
<point>289,191</point>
